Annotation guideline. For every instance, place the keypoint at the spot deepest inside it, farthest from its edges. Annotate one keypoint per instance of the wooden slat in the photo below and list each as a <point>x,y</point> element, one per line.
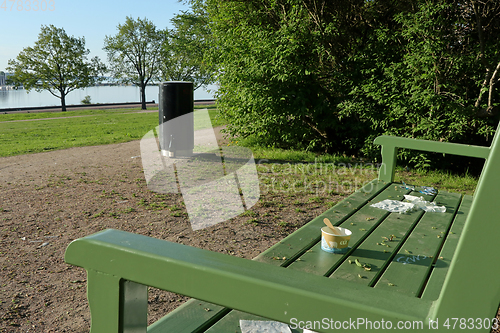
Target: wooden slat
<point>192,316</point>
<point>435,283</point>
<point>290,247</point>
<point>303,239</point>
<point>317,261</point>
<point>373,252</point>
<point>231,323</point>
<point>410,268</point>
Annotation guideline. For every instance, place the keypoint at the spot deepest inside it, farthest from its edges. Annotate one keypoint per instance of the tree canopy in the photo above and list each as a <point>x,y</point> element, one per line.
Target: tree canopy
<point>134,53</point>
<point>330,76</point>
<point>183,54</point>
<point>56,63</point>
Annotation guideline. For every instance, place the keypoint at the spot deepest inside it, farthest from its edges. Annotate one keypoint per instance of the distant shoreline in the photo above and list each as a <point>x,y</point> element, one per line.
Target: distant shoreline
<point>91,106</point>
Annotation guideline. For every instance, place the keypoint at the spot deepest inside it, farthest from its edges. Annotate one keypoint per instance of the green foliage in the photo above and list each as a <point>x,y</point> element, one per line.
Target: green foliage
<point>326,76</point>
<point>272,86</point>
<point>427,86</point>
<point>86,100</point>
<point>57,63</point>
<point>183,52</point>
<point>133,53</point>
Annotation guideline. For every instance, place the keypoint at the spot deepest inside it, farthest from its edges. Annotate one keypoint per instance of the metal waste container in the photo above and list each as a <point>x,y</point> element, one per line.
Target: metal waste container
<point>175,106</point>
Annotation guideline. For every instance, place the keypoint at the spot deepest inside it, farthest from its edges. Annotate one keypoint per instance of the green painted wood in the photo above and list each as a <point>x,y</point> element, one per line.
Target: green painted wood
<point>317,261</point>
<point>374,253</point>
<point>191,317</point>
<point>435,282</point>
<point>103,294</point>
<point>387,169</point>
<point>434,146</point>
<point>409,270</point>
<point>231,323</point>
<point>290,248</point>
<point>303,239</point>
<point>246,285</point>
<point>391,144</point>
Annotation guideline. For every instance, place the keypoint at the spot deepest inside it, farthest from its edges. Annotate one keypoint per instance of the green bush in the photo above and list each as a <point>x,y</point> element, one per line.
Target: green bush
<point>86,100</point>
<point>333,77</point>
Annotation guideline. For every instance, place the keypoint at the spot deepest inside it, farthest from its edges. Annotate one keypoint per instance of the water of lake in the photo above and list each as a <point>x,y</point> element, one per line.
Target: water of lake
<point>101,94</point>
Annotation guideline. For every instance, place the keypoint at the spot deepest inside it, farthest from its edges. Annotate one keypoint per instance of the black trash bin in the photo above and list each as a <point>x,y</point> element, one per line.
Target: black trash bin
<point>175,106</point>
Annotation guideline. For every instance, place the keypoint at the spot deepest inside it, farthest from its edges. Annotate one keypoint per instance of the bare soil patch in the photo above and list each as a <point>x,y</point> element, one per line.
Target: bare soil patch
<point>49,199</point>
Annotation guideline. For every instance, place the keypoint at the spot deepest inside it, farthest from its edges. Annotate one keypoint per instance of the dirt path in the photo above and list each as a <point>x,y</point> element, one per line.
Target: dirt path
<point>49,199</point>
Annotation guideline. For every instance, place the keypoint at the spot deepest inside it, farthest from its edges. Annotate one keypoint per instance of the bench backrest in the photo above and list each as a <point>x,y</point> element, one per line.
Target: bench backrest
<point>474,271</point>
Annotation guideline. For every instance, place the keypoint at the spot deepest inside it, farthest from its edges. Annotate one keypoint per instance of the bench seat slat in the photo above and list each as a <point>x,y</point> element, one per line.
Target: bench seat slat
<point>438,274</point>
<point>410,268</point>
<point>192,316</point>
<point>319,262</point>
<point>290,247</point>
<point>303,239</point>
<point>231,323</point>
<point>376,255</point>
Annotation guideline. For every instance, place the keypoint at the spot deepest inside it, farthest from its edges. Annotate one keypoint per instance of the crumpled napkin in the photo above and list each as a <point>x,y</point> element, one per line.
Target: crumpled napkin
<point>394,206</point>
<point>413,202</point>
<point>419,202</point>
<point>261,326</point>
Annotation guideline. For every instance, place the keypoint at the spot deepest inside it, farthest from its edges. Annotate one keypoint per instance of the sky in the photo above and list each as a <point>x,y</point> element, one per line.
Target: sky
<point>92,19</point>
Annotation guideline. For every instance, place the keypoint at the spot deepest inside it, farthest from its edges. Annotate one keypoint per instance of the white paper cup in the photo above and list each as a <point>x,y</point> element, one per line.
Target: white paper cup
<point>335,243</point>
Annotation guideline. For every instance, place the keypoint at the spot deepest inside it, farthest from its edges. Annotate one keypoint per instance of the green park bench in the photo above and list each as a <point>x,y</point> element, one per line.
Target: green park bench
<point>438,266</point>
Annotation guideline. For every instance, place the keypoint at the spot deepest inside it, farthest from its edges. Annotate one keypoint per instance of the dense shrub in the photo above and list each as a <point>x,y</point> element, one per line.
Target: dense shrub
<point>326,76</point>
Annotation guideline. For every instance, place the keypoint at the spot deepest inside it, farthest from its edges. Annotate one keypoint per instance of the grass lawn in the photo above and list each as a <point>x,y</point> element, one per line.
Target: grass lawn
<point>82,128</point>
<point>97,127</point>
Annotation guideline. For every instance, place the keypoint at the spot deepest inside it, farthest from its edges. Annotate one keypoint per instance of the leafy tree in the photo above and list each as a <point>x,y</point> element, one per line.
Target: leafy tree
<point>326,75</point>
<point>56,63</point>
<point>432,82</point>
<point>134,51</point>
<point>184,50</point>
<point>283,68</point>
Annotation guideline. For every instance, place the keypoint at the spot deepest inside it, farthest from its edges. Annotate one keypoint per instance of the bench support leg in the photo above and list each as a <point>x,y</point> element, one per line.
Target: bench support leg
<point>388,167</point>
<point>116,305</point>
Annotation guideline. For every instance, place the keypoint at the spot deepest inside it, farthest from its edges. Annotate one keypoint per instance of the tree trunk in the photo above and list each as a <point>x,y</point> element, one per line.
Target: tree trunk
<point>143,96</point>
<point>63,101</point>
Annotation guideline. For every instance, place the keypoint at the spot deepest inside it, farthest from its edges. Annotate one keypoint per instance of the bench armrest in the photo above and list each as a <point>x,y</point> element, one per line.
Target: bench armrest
<point>390,145</point>
<point>258,288</point>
